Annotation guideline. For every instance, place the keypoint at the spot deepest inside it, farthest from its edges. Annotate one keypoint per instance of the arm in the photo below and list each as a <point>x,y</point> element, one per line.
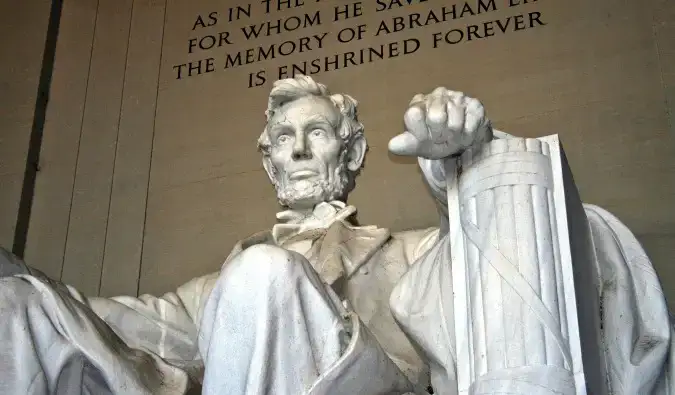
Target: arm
<point>166,326</point>
<point>440,126</point>
<point>11,265</point>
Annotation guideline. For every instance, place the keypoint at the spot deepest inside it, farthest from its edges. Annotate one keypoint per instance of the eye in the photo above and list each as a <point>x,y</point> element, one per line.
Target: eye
<point>317,133</point>
<point>283,139</point>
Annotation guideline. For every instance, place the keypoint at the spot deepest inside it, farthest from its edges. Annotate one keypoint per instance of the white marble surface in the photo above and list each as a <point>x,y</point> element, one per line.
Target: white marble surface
<point>319,304</point>
<point>513,271</point>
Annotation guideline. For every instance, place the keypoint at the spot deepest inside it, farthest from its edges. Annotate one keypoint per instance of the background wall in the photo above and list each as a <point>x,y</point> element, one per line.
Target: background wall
<point>147,180</point>
<point>23,28</point>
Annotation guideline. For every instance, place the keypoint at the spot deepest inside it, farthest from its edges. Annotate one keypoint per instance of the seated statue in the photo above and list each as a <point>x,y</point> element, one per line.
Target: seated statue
<point>318,304</point>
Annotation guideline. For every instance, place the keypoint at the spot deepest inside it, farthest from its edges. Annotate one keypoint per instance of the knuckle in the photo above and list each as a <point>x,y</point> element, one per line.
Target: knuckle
<point>417,98</point>
<point>414,114</point>
<point>437,114</point>
<point>474,105</point>
<point>440,91</point>
<point>457,96</point>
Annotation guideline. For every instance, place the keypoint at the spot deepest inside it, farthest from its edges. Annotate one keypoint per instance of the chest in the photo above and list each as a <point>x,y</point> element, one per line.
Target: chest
<point>367,293</point>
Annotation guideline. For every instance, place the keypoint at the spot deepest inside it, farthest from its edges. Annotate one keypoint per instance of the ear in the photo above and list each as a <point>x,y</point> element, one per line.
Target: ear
<point>269,168</point>
<point>356,153</point>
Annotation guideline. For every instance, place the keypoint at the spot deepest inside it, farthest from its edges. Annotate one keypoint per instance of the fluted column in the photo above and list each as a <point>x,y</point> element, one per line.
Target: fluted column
<point>513,288</point>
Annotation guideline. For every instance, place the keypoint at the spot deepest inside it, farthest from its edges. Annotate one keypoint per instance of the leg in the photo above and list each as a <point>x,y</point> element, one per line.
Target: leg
<point>51,343</point>
<point>270,326</point>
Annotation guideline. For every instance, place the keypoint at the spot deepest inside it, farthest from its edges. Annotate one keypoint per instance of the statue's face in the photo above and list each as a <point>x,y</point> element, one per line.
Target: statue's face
<point>306,153</point>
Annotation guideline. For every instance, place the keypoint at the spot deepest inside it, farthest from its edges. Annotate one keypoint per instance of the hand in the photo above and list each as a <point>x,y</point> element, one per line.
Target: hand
<point>441,124</point>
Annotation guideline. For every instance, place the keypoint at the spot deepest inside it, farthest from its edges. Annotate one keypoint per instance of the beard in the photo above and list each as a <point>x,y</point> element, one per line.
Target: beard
<point>308,193</point>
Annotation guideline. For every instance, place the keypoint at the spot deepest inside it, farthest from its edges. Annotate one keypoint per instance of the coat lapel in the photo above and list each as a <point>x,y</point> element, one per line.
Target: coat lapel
<point>344,248</point>
<point>338,252</point>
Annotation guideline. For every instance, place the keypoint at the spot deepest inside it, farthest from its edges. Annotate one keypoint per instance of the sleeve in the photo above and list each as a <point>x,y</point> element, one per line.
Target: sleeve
<point>166,326</point>
<point>11,265</point>
<point>636,323</point>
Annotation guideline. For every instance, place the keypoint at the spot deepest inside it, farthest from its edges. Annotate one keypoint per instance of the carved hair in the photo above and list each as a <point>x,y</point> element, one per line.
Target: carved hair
<point>290,89</point>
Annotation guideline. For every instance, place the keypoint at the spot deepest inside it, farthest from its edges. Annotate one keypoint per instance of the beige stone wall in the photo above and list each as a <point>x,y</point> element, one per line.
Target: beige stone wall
<point>23,28</point>
<point>148,180</point>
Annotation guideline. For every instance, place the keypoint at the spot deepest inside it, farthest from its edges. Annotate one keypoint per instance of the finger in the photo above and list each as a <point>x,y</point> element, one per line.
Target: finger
<point>439,151</point>
<point>474,105</point>
<point>456,117</point>
<point>437,117</point>
<point>414,120</point>
<point>418,98</point>
<point>440,91</point>
<point>457,97</point>
<point>475,117</point>
<point>404,144</point>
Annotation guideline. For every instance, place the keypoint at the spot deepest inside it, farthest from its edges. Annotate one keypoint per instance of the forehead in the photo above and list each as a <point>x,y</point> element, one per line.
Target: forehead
<point>304,110</point>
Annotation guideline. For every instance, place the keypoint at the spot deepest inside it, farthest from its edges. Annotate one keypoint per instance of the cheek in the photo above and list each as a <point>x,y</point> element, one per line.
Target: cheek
<point>279,157</point>
<point>329,154</point>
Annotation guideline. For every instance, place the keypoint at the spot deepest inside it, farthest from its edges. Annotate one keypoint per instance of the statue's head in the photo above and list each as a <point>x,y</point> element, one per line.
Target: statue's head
<point>313,145</point>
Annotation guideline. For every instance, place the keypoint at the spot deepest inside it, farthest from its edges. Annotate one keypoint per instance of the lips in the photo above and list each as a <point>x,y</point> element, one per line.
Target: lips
<point>302,174</point>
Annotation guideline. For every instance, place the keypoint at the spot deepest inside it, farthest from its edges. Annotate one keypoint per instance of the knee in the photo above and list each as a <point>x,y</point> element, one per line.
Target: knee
<point>266,263</point>
<point>265,252</point>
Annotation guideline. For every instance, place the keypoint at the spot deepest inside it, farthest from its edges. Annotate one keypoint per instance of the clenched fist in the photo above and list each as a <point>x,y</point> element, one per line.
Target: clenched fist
<point>441,124</point>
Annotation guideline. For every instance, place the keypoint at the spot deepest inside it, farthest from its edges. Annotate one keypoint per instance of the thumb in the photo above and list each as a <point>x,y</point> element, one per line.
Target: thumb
<point>405,144</point>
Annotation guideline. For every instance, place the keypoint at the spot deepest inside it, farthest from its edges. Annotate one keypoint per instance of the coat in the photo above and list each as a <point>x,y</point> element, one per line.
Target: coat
<point>365,265</point>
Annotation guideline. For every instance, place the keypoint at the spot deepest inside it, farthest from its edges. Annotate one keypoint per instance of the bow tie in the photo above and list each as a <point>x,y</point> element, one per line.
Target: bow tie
<point>295,225</point>
<point>344,247</point>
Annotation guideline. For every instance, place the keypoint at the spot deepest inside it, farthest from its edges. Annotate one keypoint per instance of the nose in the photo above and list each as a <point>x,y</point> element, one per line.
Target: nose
<point>300,148</point>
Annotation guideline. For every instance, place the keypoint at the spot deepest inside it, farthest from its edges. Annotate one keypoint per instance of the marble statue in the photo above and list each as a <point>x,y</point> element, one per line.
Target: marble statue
<point>320,305</point>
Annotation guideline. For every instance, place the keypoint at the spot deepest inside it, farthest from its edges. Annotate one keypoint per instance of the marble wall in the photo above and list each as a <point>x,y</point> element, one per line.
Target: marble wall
<point>147,180</point>
<point>23,28</point>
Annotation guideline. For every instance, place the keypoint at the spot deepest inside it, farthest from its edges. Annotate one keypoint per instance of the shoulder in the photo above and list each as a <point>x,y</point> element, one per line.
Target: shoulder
<point>415,243</point>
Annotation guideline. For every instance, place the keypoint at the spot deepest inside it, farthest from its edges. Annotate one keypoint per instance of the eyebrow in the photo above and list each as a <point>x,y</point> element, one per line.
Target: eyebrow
<point>278,128</point>
<point>317,119</point>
